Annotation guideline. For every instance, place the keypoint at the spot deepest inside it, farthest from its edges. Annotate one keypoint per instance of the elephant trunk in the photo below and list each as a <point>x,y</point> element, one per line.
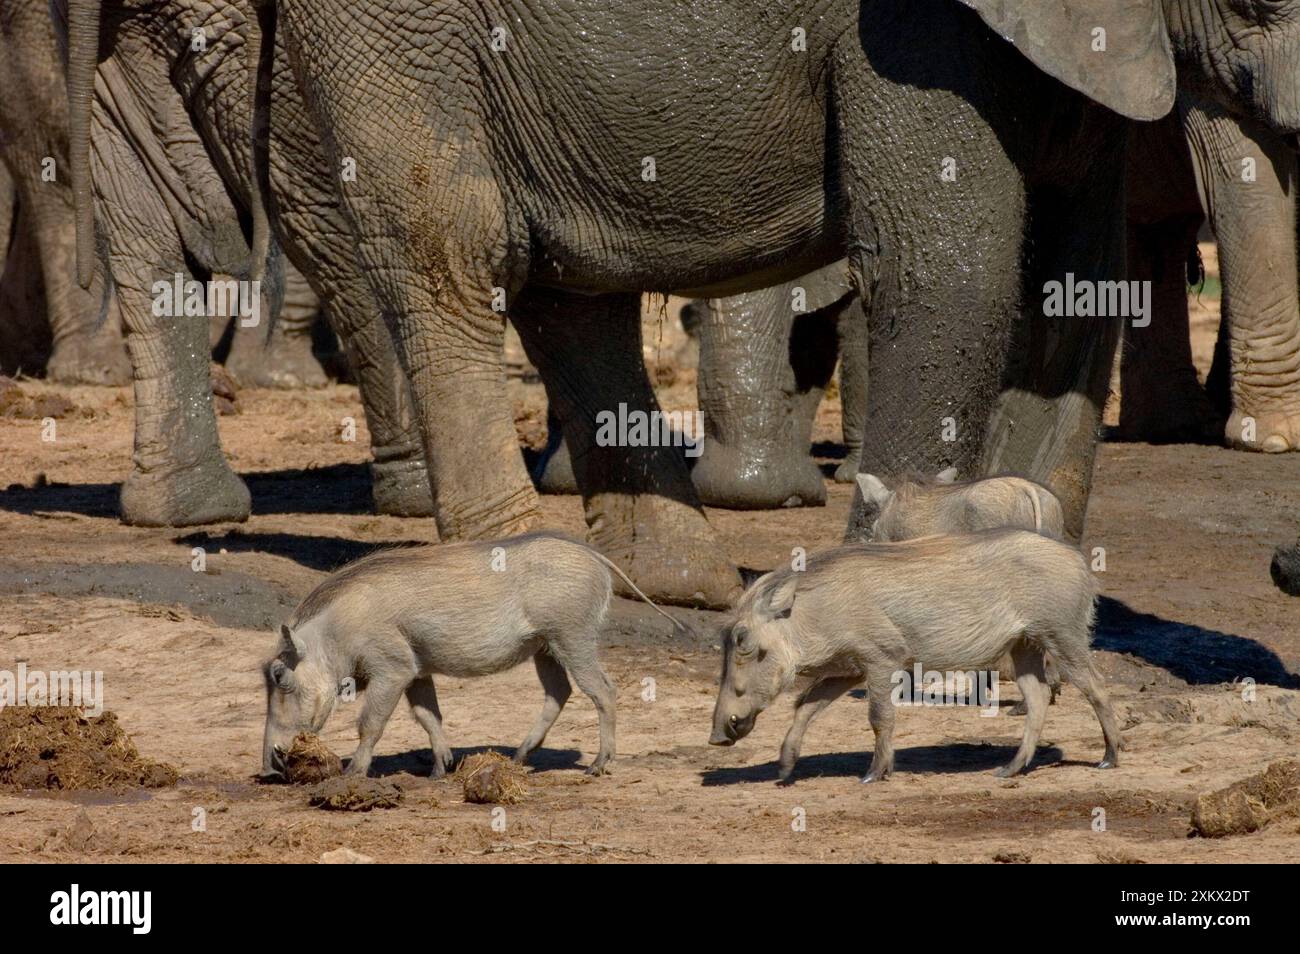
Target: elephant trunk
<point>83,59</point>
<point>261,59</point>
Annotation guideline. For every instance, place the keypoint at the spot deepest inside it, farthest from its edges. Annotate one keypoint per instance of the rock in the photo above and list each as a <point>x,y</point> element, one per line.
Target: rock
<point>1285,569</point>
<point>345,856</point>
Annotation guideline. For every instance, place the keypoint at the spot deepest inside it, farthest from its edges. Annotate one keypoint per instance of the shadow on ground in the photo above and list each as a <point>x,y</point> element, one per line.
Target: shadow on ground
<point>315,552</point>
<point>919,759</point>
<point>338,488</point>
<point>1195,655</point>
<point>420,761</point>
<point>228,599</point>
<point>90,500</point>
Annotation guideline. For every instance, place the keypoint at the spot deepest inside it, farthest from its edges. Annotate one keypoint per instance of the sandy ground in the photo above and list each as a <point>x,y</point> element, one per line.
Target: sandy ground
<point>1189,618</point>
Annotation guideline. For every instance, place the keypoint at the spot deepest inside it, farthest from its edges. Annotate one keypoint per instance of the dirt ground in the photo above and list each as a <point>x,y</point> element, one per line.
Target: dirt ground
<point>1189,617</point>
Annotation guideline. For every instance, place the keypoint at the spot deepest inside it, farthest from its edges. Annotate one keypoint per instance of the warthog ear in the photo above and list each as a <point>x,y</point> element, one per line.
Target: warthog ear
<point>282,675</point>
<point>873,489</point>
<point>946,476</point>
<point>778,601</point>
<point>291,642</point>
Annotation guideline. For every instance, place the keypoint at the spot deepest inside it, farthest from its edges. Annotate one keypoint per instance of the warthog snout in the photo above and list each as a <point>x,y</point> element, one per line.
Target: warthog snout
<point>734,728</point>
<point>274,766</point>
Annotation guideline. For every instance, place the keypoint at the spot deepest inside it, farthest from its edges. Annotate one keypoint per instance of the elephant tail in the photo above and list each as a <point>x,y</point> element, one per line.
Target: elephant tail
<point>677,623</point>
<point>260,63</point>
<point>83,61</point>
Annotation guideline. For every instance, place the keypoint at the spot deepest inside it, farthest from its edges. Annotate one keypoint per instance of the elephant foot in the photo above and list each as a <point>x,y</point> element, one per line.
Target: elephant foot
<point>749,479</point>
<point>1269,432</point>
<point>206,492</point>
<point>99,359</point>
<point>554,472</point>
<point>285,362</point>
<point>400,487</point>
<point>670,552</point>
<point>847,472</point>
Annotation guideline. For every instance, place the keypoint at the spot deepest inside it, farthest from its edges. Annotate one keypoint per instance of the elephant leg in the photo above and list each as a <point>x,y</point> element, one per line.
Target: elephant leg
<point>24,331</point>
<point>8,211</point>
<point>442,259</point>
<point>641,508</point>
<point>1161,399</point>
<point>179,476</point>
<point>450,340</point>
<point>1048,419</point>
<point>85,329</point>
<point>318,240</point>
<point>1249,178</point>
<point>854,339</point>
<point>765,361</point>
<point>937,338</point>
<point>399,474</point>
<point>285,360</point>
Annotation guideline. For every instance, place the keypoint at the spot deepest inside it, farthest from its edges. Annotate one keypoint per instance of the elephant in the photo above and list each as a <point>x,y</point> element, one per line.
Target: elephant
<point>172,195</point>
<point>41,306</point>
<point>1245,177</point>
<point>46,320</point>
<point>555,161</point>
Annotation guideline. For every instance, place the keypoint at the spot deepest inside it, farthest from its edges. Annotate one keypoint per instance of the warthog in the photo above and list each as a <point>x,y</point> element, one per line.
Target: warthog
<point>393,619</point>
<point>869,611</point>
<point>920,508</point>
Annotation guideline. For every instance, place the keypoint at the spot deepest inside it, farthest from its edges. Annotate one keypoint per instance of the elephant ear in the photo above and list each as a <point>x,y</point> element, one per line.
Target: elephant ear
<point>1115,52</point>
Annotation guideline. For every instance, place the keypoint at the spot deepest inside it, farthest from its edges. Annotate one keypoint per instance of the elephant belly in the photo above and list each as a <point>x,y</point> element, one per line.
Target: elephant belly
<point>700,163</point>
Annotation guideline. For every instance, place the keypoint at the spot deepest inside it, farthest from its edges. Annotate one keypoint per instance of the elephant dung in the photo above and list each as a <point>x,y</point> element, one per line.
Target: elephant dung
<point>309,761</point>
<point>491,778</point>
<point>1250,804</point>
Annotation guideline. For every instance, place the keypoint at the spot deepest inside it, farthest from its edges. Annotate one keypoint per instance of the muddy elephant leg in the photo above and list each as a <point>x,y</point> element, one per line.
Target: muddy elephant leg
<point>641,508</point>
<point>318,240</point>
<point>1161,399</point>
<point>450,341</point>
<point>940,311</point>
<point>854,337</point>
<point>765,361</point>
<point>1047,421</point>
<point>441,251</point>
<point>1249,178</point>
<point>286,359</point>
<point>179,476</point>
